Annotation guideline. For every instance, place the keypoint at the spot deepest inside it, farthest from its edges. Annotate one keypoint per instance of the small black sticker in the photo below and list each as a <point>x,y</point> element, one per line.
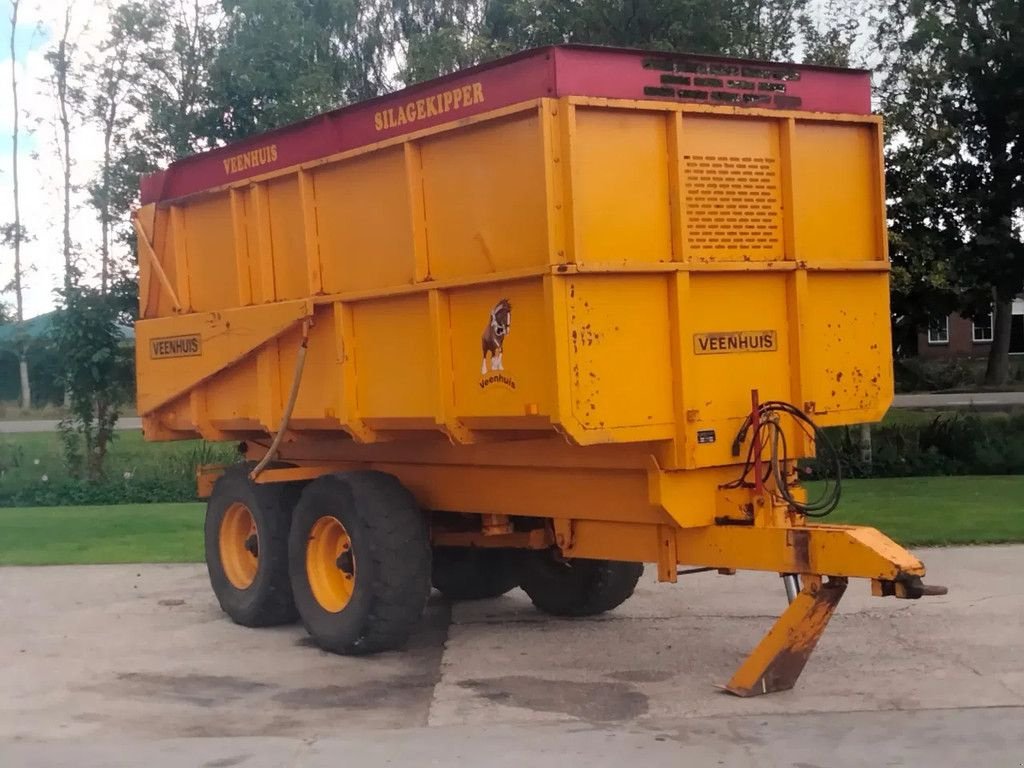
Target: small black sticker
<point>705,436</point>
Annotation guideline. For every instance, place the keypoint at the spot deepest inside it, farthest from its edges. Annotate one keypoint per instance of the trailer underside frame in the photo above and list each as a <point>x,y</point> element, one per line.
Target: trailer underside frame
<point>584,522</point>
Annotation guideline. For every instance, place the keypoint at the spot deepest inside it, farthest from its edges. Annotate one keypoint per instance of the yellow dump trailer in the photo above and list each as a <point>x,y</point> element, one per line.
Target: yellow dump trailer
<point>535,323</point>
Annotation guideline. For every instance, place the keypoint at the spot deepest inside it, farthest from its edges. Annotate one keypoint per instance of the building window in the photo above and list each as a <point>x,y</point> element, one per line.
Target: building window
<point>982,329</point>
<point>938,331</point>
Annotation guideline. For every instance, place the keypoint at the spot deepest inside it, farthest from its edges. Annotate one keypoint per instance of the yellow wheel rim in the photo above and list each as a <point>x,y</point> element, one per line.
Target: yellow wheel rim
<point>330,566</point>
<point>239,546</point>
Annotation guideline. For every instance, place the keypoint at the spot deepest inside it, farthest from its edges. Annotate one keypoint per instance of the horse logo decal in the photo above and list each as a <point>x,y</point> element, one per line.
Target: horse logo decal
<point>493,340</point>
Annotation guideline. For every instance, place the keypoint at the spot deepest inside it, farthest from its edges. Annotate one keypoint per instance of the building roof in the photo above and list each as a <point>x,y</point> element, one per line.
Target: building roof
<point>38,328</point>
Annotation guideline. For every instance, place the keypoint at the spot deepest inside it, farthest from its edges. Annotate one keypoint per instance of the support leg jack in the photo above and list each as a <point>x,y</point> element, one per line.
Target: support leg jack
<point>777,661</point>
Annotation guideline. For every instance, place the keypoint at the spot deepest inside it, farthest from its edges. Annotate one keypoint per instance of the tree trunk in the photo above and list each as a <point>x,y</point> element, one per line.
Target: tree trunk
<point>109,123</point>
<point>14,175</point>
<point>66,130</point>
<point>105,212</point>
<point>998,367</point>
<point>61,71</point>
<point>865,446</point>
<point>26,390</point>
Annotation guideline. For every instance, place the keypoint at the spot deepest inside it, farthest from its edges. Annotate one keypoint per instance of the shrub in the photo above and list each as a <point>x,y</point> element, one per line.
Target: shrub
<point>914,374</point>
<point>948,444</point>
<point>34,473</point>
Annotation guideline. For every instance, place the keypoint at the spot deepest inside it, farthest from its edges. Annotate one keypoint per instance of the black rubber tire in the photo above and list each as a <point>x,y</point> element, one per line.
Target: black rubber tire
<point>391,549</point>
<point>268,600</point>
<point>463,573</point>
<point>578,587</point>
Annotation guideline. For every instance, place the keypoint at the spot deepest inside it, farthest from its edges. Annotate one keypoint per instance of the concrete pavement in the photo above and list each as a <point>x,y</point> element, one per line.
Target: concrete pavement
<point>959,737</point>
<point>131,665</point>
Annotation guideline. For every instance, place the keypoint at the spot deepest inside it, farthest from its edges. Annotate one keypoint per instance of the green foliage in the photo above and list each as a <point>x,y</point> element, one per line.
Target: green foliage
<point>279,61</point>
<point>829,37</point>
<point>954,97</point>
<point>443,35</point>
<point>12,233</point>
<point>116,71</point>
<point>953,444</point>
<point>34,471</point>
<point>45,371</point>
<point>175,90</point>
<point>97,373</point>
<point>915,374</point>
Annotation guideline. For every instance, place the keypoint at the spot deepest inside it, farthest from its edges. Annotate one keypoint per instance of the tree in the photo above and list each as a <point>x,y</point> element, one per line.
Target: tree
<point>68,97</point>
<point>924,236</point>
<point>152,104</point>
<point>153,100</point>
<point>187,108</point>
<point>14,234</point>
<point>97,370</point>
<point>954,96</point>
<point>320,54</point>
<point>443,35</point>
<point>87,330</point>
<point>117,71</point>
<point>439,36</point>
<point>829,32</point>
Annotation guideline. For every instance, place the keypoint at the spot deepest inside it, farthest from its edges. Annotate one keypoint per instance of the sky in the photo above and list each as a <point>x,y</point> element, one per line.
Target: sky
<point>39,167</point>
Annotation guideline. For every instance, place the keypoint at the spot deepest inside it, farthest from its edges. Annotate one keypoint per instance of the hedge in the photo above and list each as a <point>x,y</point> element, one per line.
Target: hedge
<point>33,472</point>
<point>947,444</point>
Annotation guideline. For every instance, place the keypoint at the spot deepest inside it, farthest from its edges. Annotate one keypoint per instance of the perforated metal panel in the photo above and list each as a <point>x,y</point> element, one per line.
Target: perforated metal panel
<point>733,206</point>
<point>747,85</point>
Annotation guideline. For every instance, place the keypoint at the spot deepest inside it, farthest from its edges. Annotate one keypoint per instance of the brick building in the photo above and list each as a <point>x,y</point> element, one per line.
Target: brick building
<point>956,336</point>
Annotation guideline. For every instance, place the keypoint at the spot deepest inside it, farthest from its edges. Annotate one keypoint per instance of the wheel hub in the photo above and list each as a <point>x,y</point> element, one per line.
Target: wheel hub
<point>346,564</point>
<point>330,565</point>
<point>239,545</point>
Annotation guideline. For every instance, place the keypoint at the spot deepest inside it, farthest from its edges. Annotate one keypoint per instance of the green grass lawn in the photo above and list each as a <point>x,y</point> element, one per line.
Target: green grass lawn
<point>122,533</point>
<point>914,511</point>
<point>922,511</point>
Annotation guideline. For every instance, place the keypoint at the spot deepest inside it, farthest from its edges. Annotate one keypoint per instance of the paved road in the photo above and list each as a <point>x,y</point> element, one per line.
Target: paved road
<point>50,425</point>
<point>961,400</point>
<point>135,665</point>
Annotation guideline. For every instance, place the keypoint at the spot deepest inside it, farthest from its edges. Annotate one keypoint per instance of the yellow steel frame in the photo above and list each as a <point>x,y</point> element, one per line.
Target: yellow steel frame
<point>637,493</point>
<point>598,513</point>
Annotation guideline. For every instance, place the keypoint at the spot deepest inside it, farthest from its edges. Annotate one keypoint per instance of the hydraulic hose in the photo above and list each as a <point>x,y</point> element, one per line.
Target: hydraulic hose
<point>300,363</point>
